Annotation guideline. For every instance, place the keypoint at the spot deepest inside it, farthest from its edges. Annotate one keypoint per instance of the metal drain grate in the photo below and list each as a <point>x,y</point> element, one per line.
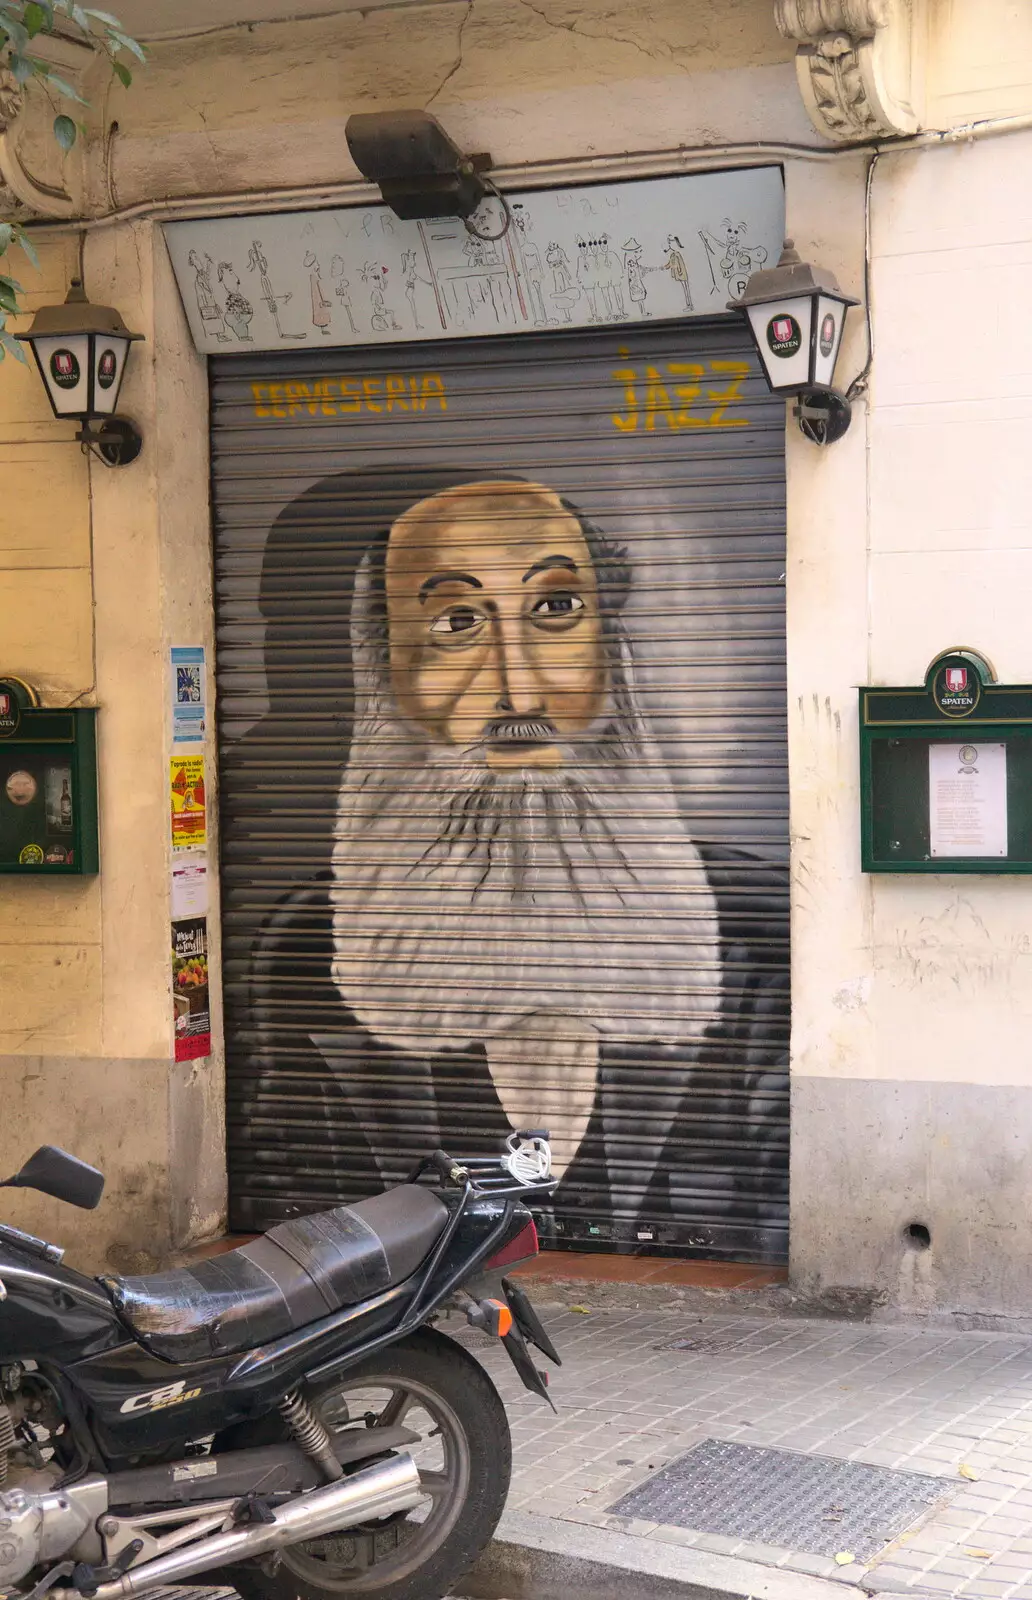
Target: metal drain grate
<point>778,1497</point>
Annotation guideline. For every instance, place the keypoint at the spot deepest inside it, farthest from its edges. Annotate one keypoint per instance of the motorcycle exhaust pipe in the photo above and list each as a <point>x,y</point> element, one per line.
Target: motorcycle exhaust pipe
<point>377,1491</point>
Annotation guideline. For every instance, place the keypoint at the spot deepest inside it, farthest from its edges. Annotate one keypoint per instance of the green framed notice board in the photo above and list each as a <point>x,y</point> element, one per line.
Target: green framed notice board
<point>48,786</point>
<point>946,772</point>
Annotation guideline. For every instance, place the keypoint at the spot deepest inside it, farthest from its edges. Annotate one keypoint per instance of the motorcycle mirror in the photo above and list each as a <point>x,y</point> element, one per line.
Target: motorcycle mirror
<point>54,1172</point>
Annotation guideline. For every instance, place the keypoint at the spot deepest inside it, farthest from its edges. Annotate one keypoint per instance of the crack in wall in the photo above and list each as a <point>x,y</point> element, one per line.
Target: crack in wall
<point>579,32</point>
<point>457,64</point>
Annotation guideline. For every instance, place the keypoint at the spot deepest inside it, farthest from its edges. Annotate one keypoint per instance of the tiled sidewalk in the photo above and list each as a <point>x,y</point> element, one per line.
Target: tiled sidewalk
<point>956,1405</point>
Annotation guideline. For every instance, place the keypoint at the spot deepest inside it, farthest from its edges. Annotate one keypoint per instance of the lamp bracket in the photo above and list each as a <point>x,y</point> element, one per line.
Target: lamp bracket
<point>115,440</point>
<point>823,415</point>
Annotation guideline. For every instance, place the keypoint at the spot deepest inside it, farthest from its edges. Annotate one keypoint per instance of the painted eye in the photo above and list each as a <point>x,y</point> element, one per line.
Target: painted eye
<point>560,604</point>
<point>459,620</point>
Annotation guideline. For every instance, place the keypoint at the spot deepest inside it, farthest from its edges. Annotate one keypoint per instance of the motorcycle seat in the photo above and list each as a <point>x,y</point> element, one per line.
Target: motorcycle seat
<point>297,1273</point>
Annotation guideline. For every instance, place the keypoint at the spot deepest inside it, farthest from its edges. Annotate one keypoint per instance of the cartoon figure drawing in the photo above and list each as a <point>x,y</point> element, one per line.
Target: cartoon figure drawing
<point>239,309</point>
<point>257,262</point>
<point>211,313</point>
<point>342,289</point>
<point>321,307</point>
<point>588,274</point>
<point>382,319</point>
<point>410,273</point>
<point>634,274</point>
<point>564,292</point>
<point>475,252</point>
<point>675,265</point>
<point>559,262</point>
<point>734,260</point>
<point>533,270</point>
<point>609,274</point>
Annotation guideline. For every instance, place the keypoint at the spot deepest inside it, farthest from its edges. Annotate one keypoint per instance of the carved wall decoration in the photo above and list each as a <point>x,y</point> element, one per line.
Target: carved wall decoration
<point>856,64</point>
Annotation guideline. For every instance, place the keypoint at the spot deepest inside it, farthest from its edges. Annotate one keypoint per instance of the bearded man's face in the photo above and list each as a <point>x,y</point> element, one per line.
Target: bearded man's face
<point>494,625</point>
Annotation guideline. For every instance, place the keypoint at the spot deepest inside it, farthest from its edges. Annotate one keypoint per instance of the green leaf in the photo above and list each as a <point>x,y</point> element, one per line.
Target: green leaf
<point>6,235</point>
<point>9,284</point>
<point>63,87</point>
<point>23,68</point>
<point>122,73</point>
<point>17,34</point>
<point>11,347</point>
<point>8,300</point>
<point>36,19</point>
<point>29,248</point>
<point>129,44</point>
<point>64,132</point>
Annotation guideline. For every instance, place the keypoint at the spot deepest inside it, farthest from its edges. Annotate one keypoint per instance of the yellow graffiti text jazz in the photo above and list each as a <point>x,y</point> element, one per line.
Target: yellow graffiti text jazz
<point>346,397</point>
<point>680,395</point>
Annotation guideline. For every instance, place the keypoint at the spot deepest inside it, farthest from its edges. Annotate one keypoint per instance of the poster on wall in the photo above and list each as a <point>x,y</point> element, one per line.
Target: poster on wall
<point>187,694</point>
<point>186,787</point>
<point>190,1002</point>
<point>631,252</point>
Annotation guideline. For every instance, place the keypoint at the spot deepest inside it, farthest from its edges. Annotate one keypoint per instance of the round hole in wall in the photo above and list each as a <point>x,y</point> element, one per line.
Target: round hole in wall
<point>917,1236</point>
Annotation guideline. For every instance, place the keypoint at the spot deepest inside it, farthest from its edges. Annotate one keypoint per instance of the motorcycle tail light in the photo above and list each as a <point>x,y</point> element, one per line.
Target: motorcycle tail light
<point>522,1248</point>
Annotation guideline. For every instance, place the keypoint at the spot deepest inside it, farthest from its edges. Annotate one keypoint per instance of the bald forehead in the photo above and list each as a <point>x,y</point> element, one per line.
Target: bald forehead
<point>482,515</point>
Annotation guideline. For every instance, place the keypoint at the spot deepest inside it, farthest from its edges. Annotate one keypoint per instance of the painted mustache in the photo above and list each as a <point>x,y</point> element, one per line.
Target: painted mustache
<point>519,730</point>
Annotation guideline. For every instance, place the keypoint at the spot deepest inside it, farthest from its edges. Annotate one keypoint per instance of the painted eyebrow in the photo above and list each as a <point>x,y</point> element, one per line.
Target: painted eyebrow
<point>547,565</point>
<point>447,577</point>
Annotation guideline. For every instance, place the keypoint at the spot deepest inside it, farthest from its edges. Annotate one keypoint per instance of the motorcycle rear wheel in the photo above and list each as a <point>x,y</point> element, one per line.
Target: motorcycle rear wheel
<point>431,1385</point>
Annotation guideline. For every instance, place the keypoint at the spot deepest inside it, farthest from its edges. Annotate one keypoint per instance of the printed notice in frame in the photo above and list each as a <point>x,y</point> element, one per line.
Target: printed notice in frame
<point>967,799</point>
<point>188,691</point>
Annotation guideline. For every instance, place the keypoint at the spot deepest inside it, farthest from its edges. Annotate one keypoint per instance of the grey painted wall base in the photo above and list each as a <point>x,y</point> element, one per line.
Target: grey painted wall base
<point>870,1158</point>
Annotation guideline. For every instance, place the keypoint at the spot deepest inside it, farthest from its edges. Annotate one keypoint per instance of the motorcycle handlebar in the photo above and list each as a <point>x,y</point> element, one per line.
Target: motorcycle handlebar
<point>450,1170</point>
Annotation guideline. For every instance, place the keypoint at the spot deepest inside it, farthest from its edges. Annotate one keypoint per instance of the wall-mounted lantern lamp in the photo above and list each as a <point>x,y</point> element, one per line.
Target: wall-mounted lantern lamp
<point>796,314</point>
<point>81,351</point>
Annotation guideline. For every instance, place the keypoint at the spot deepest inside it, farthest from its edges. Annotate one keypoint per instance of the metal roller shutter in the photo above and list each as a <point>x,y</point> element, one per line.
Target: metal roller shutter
<point>501,721</point>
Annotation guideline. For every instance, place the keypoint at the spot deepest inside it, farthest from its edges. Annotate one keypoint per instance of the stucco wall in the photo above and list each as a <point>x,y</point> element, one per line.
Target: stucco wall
<point>102,570</point>
<point>914,995</point>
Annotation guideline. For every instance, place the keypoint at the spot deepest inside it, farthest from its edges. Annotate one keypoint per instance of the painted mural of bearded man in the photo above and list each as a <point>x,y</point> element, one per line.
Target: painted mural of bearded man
<point>510,867</point>
<point>514,927</point>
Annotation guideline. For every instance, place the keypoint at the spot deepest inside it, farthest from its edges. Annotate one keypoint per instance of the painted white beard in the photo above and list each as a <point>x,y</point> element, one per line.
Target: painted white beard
<point>467,900</point>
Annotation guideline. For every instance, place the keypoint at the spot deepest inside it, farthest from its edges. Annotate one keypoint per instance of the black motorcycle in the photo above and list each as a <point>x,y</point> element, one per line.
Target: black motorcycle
<point>286,1417</point>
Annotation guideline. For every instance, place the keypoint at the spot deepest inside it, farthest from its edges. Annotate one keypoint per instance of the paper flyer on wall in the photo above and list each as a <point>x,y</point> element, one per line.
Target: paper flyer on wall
<point>189,884</point>
<point>188,814</point>
<point>190,1001</point>
<point>188,692</point>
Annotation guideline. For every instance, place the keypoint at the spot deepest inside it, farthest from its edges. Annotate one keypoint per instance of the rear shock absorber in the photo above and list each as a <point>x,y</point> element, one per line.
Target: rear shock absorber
<point>311,1434</point>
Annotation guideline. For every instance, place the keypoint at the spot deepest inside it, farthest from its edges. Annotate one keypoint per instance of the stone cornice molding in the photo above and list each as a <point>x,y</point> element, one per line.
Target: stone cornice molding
<point>25,119</point>
<point>854,64</point>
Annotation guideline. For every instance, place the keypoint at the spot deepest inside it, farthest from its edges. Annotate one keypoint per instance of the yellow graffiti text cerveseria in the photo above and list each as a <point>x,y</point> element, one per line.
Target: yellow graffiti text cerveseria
<point>347,397</point>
